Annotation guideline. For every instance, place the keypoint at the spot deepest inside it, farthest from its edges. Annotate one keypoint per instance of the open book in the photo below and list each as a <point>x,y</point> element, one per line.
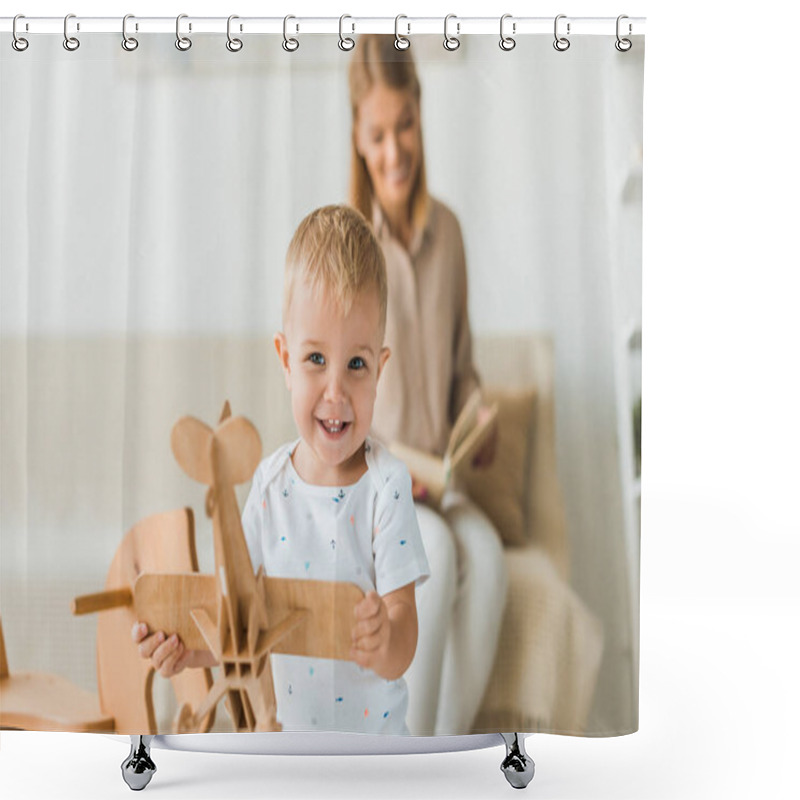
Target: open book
<point>466,439</point>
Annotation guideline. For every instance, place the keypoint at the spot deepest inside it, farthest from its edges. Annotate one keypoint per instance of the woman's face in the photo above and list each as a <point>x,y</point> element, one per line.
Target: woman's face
<point>388,137</point>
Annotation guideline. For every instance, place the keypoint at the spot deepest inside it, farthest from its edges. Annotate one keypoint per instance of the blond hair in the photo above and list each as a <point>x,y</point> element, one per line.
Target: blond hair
<point>376,60</point>
<point>334,249</point>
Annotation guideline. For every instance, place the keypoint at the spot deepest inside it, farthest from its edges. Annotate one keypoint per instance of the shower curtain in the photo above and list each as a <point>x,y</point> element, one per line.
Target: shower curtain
<point>148,198</point>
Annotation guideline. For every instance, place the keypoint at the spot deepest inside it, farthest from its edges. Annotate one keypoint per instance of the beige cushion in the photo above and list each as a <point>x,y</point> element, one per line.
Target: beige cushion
<point>501,489</point>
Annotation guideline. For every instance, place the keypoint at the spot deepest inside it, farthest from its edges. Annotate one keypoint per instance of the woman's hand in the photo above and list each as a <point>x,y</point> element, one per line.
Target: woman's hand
<point>485,456</point>
<point>419,491</point>
<point>168,655</point>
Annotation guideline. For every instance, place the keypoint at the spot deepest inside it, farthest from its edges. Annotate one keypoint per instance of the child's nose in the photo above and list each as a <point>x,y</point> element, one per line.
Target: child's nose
<point>334,388</point>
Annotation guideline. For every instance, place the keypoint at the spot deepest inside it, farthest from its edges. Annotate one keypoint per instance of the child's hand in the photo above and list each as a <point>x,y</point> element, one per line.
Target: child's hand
<point>371,631</point>
<point>168,656</point>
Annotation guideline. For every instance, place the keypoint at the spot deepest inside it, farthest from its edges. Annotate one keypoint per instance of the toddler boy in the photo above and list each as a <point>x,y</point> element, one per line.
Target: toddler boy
<point>334,504</point>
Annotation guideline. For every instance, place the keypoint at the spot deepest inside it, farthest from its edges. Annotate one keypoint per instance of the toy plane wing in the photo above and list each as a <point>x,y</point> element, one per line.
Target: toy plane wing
<point>165,602</point>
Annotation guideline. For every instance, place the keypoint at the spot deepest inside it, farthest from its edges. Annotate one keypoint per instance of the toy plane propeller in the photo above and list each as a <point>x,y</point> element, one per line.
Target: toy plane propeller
<point>241,617</point>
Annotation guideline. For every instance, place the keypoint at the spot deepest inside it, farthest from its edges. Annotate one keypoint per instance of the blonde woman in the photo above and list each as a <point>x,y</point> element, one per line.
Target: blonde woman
<point>425,384</point>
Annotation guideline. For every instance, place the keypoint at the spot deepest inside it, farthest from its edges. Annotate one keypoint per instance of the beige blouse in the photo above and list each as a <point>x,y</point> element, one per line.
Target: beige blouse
<point>430,374</point>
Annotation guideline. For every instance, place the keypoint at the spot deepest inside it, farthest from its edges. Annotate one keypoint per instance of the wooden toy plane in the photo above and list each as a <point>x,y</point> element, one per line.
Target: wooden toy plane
<point>241,617</point>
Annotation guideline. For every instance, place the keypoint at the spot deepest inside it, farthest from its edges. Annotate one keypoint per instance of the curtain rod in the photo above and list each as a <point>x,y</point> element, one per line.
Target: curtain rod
<point>405,26</point>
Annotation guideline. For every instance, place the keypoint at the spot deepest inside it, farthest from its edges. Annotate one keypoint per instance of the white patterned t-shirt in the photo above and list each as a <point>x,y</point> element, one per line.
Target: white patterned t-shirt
<point>366,534</point>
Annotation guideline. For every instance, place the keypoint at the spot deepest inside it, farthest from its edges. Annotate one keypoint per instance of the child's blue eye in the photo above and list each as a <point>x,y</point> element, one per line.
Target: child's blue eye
<point>317,358</point>
<point>357,363</point>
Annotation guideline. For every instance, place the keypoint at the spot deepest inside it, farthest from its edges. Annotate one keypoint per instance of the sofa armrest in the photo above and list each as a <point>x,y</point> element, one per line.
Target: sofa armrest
<point>548,655</point>
<point>517,362</point>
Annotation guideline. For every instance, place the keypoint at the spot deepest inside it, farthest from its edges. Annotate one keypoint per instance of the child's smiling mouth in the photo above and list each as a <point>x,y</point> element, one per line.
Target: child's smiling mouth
<point>333,427</point>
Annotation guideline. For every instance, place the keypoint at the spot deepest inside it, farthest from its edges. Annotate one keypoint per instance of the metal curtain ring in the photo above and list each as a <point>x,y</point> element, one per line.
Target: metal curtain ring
<point>345,42</point>
<point>18,42</point>
<point>561,43</point>
<point>451,43</point>
<point>507,42</point>
<point>70,42</point>
<point>623,45</point>
<point>129,43</point>
<point>183,43</point>
<point>289,44</point>
<point>234,45</point>
<point>401,42</point>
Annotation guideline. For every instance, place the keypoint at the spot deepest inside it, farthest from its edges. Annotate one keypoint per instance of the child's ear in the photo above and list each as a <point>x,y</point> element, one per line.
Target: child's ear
<point>282,349</point>
<point>383,357</point>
